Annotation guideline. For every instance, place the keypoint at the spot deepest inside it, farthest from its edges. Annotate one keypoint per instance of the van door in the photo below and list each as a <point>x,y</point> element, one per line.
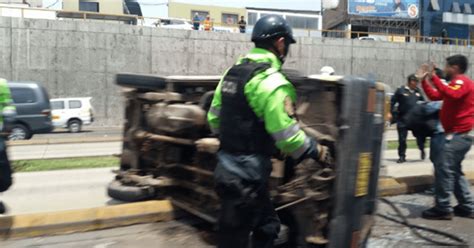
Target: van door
<point>75,109</point>
<point>59,113</point>
<point>25,100</point>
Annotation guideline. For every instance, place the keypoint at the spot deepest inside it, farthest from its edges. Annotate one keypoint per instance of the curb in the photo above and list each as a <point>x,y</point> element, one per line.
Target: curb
<point>409,185</point>
<point>72,221</point>
<point>63,141</point>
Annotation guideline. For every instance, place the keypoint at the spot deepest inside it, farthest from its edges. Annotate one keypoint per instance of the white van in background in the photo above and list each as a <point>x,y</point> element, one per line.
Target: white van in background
<point>72,113</point>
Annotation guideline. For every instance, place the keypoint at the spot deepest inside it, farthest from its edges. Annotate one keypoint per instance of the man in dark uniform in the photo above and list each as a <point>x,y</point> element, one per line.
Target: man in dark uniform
<point>406,98</point>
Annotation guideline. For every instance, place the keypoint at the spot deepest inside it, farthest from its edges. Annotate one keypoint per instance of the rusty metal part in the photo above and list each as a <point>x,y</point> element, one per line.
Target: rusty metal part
<point>175,118</point>
<point>160,96</point>
<point>307,128</point>
<point>209,145</point>
<point>146,180</point>
<point>196,188</point>
<point>317,239</point>
<point>190,168</point>
<point>317,195</point>
<point>163,138</point>
<point>189,208</point>
<point>301,200</point>
<point>166,182</point>
<point>324,175</point>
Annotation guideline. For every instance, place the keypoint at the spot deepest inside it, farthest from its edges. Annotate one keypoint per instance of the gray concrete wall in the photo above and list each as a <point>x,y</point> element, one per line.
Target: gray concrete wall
<point>76,58</point>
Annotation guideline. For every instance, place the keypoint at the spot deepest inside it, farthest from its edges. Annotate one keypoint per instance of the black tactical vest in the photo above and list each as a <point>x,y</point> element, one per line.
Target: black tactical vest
<point>241,131</point>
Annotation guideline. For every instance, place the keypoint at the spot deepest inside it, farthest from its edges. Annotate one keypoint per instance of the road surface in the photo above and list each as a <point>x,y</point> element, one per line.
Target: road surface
<point>48,151</point>
<point>388,234</point>
<point>190,232</point>
<point>34,192</point>
<point>87,132</point>
<point>71,189</point>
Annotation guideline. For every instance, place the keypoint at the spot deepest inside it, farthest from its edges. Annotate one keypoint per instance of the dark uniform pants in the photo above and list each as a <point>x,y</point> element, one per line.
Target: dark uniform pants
<point>5,169</point>
<point>402,139</point>
<point>246,208</point>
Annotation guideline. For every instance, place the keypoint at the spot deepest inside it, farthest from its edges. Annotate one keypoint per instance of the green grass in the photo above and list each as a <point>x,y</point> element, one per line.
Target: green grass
<point>411,144</point>
<point>64,164</point>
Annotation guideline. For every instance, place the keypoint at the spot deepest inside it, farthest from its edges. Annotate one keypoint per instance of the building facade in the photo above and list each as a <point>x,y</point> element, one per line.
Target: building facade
<point>111,7</point>
<point>304,23</point>
<point>454,17</point>
<point>222,16</point>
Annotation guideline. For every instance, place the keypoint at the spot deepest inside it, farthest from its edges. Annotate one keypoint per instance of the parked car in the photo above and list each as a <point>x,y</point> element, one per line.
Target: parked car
<point>174,23</point>
<point>72,113</point>
<point>33,110</point>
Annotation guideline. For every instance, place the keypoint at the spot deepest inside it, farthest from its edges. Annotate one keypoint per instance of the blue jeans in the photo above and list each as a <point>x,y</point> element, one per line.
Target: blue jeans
<point>447,156</point>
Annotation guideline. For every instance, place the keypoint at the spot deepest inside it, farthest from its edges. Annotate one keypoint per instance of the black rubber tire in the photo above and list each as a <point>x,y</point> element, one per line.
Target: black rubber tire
<point>74,126</point>
<point>140,81</point>
<point>24,129</point>
<point>125,193</point>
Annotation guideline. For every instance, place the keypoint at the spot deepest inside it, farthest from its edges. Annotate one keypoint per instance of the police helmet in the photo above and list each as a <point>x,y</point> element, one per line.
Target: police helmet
<point>270,27</point>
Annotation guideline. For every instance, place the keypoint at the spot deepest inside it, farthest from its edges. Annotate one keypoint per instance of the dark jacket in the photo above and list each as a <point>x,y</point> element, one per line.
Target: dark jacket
<point>406,99</point>
<point>423,119</point>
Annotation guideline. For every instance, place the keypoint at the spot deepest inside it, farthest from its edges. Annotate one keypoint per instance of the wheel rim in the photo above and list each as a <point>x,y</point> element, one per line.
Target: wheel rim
<point>17,133</point>
<point>74,127</point>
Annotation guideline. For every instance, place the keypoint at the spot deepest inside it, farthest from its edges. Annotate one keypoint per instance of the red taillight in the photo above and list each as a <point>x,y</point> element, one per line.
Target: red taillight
<point>46,112</point>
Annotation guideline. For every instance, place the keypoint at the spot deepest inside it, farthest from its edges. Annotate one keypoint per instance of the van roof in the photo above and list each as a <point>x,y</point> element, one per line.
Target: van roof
<point>29,84</point>
<point>71,98</point>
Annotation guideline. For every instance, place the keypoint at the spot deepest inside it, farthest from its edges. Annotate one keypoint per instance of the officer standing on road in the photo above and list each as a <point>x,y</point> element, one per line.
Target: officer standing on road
<point>406,97</point>
<point>7,114</point>
<point>252,112</point>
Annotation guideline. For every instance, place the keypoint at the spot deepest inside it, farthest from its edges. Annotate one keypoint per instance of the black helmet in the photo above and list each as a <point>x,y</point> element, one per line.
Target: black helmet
<point>272,26</point>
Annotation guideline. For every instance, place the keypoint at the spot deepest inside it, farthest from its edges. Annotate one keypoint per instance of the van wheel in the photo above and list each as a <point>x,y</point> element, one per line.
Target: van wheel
<point>74,126</point>
<point>118,191</point>
<point>19,132</point>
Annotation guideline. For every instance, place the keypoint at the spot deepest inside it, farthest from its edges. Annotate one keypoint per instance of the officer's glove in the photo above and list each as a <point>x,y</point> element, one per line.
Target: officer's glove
<point>321,152</point>
<point>324,155</point>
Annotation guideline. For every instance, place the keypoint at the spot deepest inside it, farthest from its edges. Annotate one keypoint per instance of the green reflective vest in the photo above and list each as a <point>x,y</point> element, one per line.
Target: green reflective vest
<point>271,96</point>
<point>6,107</point>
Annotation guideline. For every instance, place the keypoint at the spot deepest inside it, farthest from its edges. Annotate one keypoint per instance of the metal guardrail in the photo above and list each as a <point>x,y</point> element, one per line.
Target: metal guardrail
<point>41,13</point>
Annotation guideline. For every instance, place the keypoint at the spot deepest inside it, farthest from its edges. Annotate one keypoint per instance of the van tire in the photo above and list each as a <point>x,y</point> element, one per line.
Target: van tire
<point>118,191</point>
<point>74,126</point>
<point>140,81</point>
<point>19,132</point>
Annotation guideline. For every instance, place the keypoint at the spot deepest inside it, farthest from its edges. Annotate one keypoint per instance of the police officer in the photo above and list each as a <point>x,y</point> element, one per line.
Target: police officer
<point>406,97</point>
<point>253,114</point>
<point>7,115</point>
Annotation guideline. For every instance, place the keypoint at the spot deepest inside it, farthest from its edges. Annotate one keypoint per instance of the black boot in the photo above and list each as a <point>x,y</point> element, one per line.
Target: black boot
<point>423,155</point>
<point>463,212</point>
<point>3,209</point>
<point>401,160</point>
<point>436,214</point>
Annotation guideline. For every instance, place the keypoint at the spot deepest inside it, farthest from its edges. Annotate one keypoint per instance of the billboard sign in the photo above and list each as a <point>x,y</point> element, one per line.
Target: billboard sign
<point>385,8</point>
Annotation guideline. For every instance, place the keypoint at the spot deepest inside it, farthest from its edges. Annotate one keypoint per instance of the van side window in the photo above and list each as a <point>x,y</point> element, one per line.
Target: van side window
<point>57,105</point>
<point>23,95</point>
<point>75,104</point>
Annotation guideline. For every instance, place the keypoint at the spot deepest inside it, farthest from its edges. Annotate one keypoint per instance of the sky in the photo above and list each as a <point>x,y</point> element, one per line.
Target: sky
<point>157,8</point>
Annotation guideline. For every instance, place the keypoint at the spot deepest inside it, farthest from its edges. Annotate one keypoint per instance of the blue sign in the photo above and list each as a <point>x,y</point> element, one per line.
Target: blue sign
<point>385,8</point>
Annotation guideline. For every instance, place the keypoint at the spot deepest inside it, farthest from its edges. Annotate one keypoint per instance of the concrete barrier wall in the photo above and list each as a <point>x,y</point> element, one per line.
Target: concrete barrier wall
<point>80,58</point>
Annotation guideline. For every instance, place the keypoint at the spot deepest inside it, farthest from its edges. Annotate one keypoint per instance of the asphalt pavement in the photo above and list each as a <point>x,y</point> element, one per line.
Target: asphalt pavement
<point>48,151</point>
<point>389,234</point>
<point>86,132</point>
<point>49,191</point>
<point>191,232</point>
